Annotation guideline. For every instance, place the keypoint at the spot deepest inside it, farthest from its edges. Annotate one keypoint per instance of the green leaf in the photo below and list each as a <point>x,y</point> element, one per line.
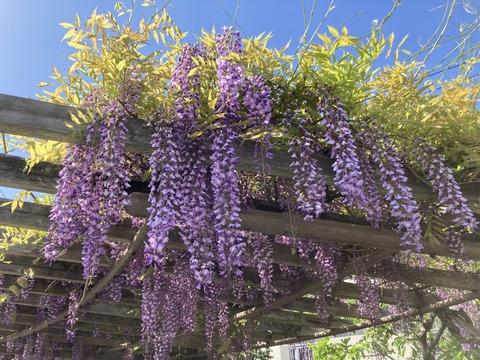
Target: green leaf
<point>43,84</point>
<point>4,297</point>
<point>192,72</point>
<point>121,65</point>
<point>14,289</point>
<point>333,31</point>
<point>30,273</point>
<point>23,282</point>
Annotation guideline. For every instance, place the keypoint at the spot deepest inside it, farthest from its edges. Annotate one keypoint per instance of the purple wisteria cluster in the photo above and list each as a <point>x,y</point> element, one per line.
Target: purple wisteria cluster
<point>450,197</point>
<point>310,187</point>
<point>224,178</point>
<point>164,188</point>
<point>348,175</point>
<point>262,246</point>
<point>402,207</point>
<point>197,232</point>
<point>92,186</point>
<point>369,305</point>
<point>169,307</point>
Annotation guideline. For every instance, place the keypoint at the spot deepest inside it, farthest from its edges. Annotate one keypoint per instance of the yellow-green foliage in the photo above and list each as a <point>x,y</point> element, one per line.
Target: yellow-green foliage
<point>110,51</point>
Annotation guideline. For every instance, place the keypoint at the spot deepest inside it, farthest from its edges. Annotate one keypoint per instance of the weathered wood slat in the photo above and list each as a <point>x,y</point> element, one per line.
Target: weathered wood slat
<point>307,287</point>
<point>439,306</point>
<point>38,119</point>
<point>320,230</point>
<point>42,177</point>
<point>35,216</point>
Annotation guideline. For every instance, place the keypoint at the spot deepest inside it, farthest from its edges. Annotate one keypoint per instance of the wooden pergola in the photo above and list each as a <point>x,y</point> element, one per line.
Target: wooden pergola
<point>287,320</point>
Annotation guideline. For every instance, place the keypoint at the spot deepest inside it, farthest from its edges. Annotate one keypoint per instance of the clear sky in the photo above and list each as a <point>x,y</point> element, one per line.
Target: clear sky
<point>31,37</point>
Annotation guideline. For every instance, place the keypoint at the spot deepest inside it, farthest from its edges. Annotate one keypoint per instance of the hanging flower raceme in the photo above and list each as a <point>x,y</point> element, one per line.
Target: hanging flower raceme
<point>374,204</point>
<point>224,178</point>
<point>263,260</point>
<point>387,269</point>
<point>66,216</point>
<point>370,303</point>
<point>348,174</point>
<point>216,315</point>
<point>310,187</point>
<point>444,184</point>
<point>92,188</point>
<point>403,208</point>
<point>257,100</point>
<point>195,203</point>
<point>164,187</point>
<point>326,258</point>
<point>169,305</point>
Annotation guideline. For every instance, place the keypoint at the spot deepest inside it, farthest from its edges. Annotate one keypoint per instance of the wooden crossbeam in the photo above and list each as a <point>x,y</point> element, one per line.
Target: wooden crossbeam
<point>267,222</point>
<point>438,306</point>
<point>310,287</point>
<point>35,215</point>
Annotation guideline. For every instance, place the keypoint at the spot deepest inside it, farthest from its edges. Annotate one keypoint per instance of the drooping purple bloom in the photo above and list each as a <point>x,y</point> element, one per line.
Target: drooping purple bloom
<point>348,174</point>
<point>370,303</point>
<point>164,188</point>
<point>310,187</point>
<point>403,208</point>
<point>444,184</point>
<point>224,178</point>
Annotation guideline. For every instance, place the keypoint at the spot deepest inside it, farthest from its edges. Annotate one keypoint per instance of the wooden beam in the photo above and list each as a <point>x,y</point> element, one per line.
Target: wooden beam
<point>36,217</point>
<point>38,119</point>
<point>268,222</point>
<point>42,177</point>
<point>309,287</point>
<point>438,306</point>
<point>438,277</point>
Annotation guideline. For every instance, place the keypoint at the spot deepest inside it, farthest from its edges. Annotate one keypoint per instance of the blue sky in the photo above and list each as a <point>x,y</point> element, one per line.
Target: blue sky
<point>31,37</point>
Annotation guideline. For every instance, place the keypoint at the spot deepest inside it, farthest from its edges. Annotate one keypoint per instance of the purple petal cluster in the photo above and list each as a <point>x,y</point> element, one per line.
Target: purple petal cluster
<point>444,184</point>
<point>53,305</point>
<point>326,258</point>
<point>224,178</point>
<point>8,310</point>
<point>374,204</point>
<point>66,217</point>
<point>348,174</point>
<point>197,230</point>
<point>134,271</point>
<point>402,206</point>
<point>387,270</point>
<point>257,100</point>
<point>370,304</point>
<point>263,260</point>
<point>113,292</point>
<point>310,187</point>
<point>25,292</point>
<point>455,244</point>
<point>216,315</point>
<point>77,350</point>
<point>73,302</point>
<point>164,189</point>
<point>169,305</point>
<point>91,190</point>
